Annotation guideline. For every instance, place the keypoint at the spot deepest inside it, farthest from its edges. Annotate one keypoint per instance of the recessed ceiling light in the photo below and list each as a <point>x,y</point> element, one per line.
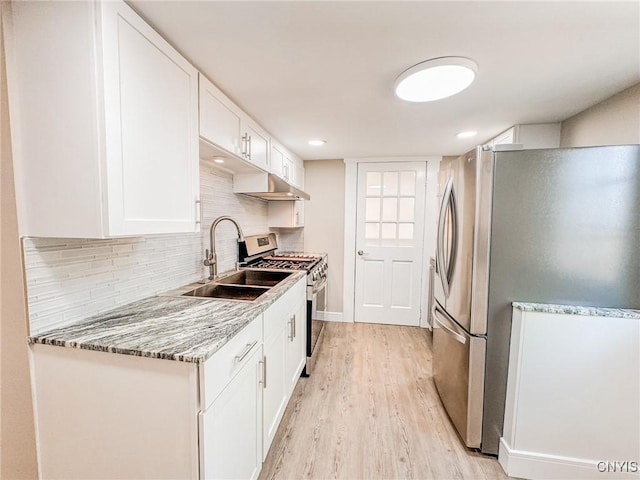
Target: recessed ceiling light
<point>435,79</point>
<point>218,160</point>
<point>469,134</point>
<point>317,143</point>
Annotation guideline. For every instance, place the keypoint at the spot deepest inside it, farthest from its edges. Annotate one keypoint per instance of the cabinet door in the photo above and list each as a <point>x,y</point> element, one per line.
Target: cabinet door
<point>276,164</point>
<point>288,167</point>
<point>286,214</point>
<point>298,174</point>
<point>232,427</point>
<point>220,119</point>
<point>298,213</point>
<point>275,394</point>
<point>151,125</point>
<point>256,144</point>
<point>296,355</point>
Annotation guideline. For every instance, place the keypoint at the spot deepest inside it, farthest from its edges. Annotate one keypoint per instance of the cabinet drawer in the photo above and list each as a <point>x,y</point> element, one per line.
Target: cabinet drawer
<point>278,313</point>
<point>227,362</point>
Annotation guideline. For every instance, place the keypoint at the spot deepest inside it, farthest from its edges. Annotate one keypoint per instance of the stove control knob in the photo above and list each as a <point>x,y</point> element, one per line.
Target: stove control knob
<point>314,277</point>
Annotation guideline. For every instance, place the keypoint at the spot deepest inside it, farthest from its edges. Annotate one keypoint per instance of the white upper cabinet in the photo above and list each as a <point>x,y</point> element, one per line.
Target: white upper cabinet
<point>256,143</point>
<point>220,118</point>
<point>224,124</point>
<point>104,120</point>
<point>298,174</point>
<point>530,136</point>
<point>286,165</point>
<point>286,214</point>
<point>277,159</point>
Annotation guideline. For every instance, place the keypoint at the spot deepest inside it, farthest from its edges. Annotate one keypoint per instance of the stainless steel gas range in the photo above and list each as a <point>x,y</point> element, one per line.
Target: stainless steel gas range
<point>258,251</point>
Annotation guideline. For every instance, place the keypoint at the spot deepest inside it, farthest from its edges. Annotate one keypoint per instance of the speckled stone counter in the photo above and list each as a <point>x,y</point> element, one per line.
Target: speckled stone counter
<point>167,326</point>
<point>577,310</point>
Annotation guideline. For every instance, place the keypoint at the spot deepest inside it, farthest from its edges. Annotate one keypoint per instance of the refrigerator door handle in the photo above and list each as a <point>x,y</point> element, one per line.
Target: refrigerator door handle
<point>438,314</point>
<point>454,237</point>
<point>442,268</point>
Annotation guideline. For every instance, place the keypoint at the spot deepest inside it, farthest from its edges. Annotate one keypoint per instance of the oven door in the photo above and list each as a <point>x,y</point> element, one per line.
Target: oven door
<point>316,306</point>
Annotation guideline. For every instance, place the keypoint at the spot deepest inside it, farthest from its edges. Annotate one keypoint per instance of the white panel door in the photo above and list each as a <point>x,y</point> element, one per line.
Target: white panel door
<point>389,242</point>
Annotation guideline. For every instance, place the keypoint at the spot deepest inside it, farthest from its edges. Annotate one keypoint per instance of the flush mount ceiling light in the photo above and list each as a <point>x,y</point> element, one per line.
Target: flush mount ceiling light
<point>469,134</point>
<point>317,143</point>
<point>435,79</point>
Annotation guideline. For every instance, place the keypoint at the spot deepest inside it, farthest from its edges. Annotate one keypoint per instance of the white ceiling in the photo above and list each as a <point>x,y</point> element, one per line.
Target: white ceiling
<point>319,69</point>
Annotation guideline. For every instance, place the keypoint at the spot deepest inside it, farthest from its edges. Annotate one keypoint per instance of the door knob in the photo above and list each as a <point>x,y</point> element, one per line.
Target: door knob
<point>360,252</point>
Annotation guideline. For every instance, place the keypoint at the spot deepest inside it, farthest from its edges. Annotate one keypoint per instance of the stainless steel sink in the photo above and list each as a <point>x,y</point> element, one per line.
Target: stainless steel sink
<point>254,277</point>
<point>245,285</point>
<point>228,292</point>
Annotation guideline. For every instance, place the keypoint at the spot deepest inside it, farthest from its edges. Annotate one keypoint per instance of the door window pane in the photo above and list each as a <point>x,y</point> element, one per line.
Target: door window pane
<point>390,184</point>
<point>389,209</point>
<point>405,231</point>
<point>388,231</point>
<point>407,183</point>
<point>374,183</point>
<point>372,231</point>
<point>407,208</point>
<point>372,213</point>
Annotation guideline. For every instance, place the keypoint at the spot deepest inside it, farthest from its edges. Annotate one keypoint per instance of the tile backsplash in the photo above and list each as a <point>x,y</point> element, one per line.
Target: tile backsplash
<point>71,279</point>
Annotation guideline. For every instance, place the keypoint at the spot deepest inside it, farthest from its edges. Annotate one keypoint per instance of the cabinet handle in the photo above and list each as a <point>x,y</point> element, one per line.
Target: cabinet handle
<point>244,145</point>
<point>198,211</point>
<point>249,148</point>
<point>246,351</point>
<point>264,371</point>
<point>292,326</point>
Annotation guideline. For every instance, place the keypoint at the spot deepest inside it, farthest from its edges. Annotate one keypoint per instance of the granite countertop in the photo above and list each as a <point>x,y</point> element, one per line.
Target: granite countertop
<point>167,326</point>
<point>577,310</point>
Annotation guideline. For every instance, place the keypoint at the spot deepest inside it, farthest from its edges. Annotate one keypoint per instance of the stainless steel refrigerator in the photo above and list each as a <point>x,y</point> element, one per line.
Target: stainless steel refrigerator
<point>550,226</point>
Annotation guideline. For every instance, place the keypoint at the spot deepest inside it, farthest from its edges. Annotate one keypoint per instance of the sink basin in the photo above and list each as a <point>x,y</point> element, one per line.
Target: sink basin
<point>228,292</point>
<point>254,277</point>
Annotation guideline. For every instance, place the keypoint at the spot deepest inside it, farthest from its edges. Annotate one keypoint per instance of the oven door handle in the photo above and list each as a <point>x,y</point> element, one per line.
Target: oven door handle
<point>319,286</point>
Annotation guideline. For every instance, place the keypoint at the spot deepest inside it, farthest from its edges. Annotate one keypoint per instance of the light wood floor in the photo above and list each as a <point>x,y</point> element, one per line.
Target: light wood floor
<point>370,411</point>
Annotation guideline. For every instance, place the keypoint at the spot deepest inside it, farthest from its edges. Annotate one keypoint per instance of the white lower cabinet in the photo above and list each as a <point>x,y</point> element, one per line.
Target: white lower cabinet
<point>231,426</point>
<point>295,353</point>
<point>104,415</point>
<point>275,396</point>
<point>284,353</point>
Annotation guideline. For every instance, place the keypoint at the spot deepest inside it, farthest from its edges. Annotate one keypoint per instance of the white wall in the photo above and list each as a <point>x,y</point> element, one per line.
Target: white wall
<point>71,279</point>
<point>324,221</point>
<point>17,434</point>
<point>615,121</point>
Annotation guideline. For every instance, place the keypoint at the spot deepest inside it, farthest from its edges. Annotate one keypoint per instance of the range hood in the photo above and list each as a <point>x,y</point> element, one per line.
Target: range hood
<point>267,186</point>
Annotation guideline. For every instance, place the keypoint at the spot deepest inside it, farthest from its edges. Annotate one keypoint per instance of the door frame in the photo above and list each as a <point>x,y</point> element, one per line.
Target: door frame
<point>350,210</point>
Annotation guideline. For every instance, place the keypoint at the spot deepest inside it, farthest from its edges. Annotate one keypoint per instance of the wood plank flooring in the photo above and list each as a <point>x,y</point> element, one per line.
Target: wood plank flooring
<point>370,411</point>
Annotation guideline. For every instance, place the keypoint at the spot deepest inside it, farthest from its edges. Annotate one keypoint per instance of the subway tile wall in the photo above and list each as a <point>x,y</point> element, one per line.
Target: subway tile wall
<point>71,279</point>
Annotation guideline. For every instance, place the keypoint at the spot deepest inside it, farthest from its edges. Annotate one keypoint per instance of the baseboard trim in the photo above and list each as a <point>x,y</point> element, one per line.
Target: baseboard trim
<point>332,317</point>
<point>533,465</point>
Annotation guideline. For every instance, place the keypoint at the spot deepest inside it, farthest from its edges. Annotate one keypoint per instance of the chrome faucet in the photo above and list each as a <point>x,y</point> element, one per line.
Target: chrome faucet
<point>211,259</point>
